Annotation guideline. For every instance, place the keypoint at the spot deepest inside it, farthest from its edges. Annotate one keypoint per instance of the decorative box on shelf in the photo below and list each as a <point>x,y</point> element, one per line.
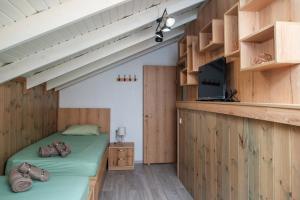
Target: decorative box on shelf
<point>121,156</point>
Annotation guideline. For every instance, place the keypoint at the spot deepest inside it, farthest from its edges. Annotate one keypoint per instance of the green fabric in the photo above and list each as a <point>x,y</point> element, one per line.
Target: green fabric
<point>82,161</point>
<point>82,130</point>
<point>57,188</point>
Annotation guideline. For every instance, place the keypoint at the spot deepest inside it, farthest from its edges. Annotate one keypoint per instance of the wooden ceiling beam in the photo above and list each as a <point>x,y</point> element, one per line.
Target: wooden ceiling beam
<point>103,52</point>
<point>52,19</point>
<point>113,58</point>
<point>92,39</point>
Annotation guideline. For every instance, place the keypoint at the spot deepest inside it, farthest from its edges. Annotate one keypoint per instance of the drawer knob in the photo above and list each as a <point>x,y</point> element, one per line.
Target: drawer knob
<point>120,150</point>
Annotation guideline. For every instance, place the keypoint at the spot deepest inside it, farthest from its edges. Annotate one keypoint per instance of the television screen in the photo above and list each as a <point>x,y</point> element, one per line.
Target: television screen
<point>212,80</point>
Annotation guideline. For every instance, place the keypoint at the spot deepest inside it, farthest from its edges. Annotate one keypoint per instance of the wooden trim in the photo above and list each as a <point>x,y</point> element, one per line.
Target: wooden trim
<point>96,182</point>
<point>73,116</point>
<point>279,113</point>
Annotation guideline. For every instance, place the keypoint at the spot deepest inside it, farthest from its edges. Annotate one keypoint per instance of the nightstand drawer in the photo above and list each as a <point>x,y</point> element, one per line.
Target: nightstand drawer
<point>121,153</point>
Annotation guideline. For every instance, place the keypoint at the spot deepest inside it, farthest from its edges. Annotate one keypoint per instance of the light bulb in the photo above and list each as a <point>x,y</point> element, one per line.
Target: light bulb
<point>170,21</point>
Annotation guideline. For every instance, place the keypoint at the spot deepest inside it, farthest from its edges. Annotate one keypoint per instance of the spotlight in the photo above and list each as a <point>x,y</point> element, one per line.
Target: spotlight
<point>159,34</point>
<point>158,39</point>
<point>164,25</point>
<point>170,22</point>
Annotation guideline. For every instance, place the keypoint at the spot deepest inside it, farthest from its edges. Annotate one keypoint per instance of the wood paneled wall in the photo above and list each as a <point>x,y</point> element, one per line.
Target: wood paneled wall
<point>226,157</point>
<point>272,86</point>
<point>25,117</point>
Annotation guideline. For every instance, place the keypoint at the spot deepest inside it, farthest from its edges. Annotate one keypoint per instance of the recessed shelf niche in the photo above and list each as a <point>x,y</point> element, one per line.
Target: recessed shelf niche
<point>274,46</point>
<point>211,37</point>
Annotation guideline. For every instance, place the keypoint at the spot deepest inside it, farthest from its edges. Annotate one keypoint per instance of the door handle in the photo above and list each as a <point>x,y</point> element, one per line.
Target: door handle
<point>148,116</point>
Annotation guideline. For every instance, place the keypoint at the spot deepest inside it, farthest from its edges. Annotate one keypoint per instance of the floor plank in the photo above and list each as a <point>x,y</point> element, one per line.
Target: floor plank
<point>154,182</point>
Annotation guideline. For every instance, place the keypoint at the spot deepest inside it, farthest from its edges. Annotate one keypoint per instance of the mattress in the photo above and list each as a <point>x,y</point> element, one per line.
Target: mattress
<point>87,152</point>
<point>58,188</point>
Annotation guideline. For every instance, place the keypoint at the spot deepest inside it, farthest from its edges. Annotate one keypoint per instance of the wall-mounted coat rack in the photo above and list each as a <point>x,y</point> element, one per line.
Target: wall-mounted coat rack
<point>127,78</point>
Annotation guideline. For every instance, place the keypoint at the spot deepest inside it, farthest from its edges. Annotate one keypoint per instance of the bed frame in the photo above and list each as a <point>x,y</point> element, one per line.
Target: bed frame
<point>101,116</point>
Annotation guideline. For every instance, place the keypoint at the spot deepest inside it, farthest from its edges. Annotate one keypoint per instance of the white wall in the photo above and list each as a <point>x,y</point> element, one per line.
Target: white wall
<point>124,99</point>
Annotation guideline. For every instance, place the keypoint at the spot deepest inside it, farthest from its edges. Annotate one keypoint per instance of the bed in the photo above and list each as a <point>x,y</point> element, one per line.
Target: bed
<point>58,188</point>
<point>89,153</point>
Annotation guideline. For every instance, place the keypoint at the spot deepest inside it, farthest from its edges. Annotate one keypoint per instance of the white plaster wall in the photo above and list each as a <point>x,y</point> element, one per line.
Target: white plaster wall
<point>124,99</point>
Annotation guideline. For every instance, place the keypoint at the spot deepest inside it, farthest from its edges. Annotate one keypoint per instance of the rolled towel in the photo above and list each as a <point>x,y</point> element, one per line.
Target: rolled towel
<point>18,181</point>
<point>34,172</point>
<point>62,148</point>
<point>48,151</point>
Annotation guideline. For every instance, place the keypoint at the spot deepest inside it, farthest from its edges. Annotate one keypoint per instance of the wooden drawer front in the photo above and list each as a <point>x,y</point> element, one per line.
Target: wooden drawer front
<point>120,157</point>
<point>122,153</point>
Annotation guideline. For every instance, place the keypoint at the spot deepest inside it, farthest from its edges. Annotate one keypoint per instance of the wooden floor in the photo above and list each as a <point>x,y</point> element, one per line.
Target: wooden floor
<point>155,182</point>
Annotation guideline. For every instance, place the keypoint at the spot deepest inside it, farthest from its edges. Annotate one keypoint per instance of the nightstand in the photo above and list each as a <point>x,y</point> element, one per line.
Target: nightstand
<point>121,156</point>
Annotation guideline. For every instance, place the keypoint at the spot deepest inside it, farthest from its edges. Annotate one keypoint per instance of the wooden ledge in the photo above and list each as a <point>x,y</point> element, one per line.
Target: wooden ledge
<point>279,113</point>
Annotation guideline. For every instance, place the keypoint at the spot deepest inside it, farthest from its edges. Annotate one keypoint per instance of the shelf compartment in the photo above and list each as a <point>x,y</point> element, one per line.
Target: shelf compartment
<point>260,35</point>
<point>279,40</point>
<point>182,62</point>
<point>183,78</point>
<point>194,57</point>
<point>231,32</point>
<point>211,37</point>
<point>254,5</point>
<point>183,47</point>
<point>250,22</point>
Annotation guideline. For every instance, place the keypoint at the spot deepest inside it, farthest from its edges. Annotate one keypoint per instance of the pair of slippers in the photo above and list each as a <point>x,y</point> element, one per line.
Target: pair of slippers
<point>57,148</point>
<point>20,178</point>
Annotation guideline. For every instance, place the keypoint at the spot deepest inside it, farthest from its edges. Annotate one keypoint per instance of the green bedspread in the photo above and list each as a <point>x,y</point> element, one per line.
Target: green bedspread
<point>83,160</point>
<point>57,188</point>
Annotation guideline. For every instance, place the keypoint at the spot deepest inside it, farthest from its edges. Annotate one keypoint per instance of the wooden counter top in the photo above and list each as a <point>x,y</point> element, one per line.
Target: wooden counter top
<point>279,113</point>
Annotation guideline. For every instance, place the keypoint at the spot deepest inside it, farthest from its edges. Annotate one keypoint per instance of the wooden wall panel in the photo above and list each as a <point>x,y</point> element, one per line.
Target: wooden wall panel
<point>25,117</point>
<point>73,116</point>
<point>239,158</point>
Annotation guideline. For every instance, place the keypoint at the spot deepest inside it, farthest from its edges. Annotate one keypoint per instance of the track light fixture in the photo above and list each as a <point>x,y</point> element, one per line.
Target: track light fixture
<point>164,25</point>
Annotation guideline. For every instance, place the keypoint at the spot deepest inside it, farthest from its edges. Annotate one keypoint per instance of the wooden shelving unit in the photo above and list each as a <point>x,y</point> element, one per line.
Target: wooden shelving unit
<point>280,41</point>
<point>231,32</point>
<point>254,5</point>
<point>189,60</point>
<point>211,37</point>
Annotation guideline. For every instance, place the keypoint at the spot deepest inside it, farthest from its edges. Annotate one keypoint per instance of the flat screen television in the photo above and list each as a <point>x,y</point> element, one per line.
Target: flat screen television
<point>212,81</point>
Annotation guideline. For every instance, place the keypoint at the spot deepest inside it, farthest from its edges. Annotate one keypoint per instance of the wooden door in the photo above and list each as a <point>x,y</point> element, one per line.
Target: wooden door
<point>159,114</point>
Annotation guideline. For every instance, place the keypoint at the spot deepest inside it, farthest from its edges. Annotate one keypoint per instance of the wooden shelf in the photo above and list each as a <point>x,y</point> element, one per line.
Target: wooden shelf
<point>254,5</point>
<point>231,32</point>
<point>261,35</point>
<point>233,54</point>
<point>212,46</point>
<point>211,37</point>
<point>279,113</point>
<point>280,40</point>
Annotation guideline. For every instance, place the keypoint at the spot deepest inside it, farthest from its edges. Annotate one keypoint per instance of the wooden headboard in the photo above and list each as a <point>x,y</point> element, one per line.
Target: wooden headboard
<point>73,116</point>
